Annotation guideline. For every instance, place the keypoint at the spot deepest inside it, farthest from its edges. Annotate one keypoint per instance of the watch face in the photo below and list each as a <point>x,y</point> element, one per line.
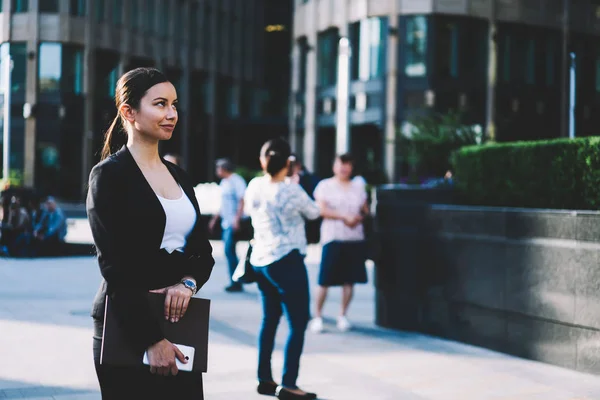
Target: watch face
<point>189,283</point>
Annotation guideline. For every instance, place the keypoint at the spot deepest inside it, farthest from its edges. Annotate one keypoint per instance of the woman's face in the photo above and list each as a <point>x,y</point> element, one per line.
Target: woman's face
<point>157,114</point>
<point>342,170</point>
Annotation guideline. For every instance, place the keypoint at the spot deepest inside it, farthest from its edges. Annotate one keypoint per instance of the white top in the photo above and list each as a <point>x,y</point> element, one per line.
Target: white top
<point>344,199</point>
<point>278,211</point>
<point>181,218</point>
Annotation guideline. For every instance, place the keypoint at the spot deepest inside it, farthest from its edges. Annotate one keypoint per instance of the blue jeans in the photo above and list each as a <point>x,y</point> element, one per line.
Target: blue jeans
<point>284,288</point>
<point>229,244</point>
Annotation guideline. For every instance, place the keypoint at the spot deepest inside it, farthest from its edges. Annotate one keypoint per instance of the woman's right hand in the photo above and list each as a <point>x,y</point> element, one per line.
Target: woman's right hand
<point>161,357</point>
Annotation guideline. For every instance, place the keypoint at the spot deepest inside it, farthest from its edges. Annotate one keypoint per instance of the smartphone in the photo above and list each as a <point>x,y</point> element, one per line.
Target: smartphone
<point>187,351</point>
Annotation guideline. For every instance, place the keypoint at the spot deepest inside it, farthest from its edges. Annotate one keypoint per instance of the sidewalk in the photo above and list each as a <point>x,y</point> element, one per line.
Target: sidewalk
<point>45,347</point>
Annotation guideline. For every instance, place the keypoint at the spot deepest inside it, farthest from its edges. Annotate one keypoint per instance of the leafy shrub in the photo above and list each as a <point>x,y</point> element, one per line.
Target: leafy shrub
<point>558,173</point>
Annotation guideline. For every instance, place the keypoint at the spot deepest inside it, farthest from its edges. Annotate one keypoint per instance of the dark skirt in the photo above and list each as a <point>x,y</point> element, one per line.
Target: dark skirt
<point>343,263</point>
<point>126,383</point>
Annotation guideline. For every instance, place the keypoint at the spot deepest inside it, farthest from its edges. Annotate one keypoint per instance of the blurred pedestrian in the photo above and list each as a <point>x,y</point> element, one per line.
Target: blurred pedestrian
<point>50,232</point>
<point>145,221</point>
<point>278,208</point>
<point>302,176</point>
<point>343,204</point>
<point>232,187</point>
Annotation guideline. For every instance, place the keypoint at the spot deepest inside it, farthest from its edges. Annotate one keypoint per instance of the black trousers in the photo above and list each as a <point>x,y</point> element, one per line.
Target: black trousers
<point>120,383</point>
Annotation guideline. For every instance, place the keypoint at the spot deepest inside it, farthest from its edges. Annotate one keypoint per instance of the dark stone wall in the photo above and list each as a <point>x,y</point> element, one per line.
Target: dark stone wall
<point>521,281</point>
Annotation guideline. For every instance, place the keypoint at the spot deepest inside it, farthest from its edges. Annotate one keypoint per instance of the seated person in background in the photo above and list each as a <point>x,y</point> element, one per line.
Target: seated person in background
<point>53,226</point>
<point>19,224</point>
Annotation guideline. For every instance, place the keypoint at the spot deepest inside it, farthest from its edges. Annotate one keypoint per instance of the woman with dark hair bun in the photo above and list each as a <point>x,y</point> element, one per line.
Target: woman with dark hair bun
<point>278,208</point>
<point>147,229</point>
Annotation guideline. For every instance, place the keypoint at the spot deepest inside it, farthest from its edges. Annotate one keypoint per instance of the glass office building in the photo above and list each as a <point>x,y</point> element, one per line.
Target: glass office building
<point>69,54</point>
<point>414,57</point>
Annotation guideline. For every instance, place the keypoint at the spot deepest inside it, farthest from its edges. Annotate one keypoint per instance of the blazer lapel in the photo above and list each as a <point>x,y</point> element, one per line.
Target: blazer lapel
<point>142,190</point>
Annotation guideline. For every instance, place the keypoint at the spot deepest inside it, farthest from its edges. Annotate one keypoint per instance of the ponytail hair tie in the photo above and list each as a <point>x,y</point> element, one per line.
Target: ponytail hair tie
<point>292,158</point>
<point>271,153</point>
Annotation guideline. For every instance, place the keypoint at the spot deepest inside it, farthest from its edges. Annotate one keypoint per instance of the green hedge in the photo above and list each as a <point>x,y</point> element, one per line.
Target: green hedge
<point>559,173</point>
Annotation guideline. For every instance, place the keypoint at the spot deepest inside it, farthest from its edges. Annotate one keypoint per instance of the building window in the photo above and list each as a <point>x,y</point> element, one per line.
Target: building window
<point>150,15</point>
<point>164,24</point>
<point>60,68</point>
<point>327,53</point>
<point>78,8</point>
<point>598,72</point>
<point>506,59</point>
<point>47,6</point>
<point>207,29</point>
<point>18,53</point>
<point>550,61</point>
<point>302,61</point>
<point>416,46</point>
<point>113,77</point>
<point>134,14</point>
<point>99,11</point>
<point>117,12</point>
<point>50,67</point>
<point>530,62</point>
<point>367,39</point>
<point>178,25</point>
<point>194,21</point>
<point>447,50</point>
<point>20,6</point>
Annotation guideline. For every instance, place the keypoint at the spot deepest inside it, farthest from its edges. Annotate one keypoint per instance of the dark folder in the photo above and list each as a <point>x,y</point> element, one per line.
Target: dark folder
<point>191,330</point>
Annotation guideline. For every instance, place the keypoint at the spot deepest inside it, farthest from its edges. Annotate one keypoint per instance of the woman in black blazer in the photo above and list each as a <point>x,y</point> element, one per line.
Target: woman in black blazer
<point>146,225</point>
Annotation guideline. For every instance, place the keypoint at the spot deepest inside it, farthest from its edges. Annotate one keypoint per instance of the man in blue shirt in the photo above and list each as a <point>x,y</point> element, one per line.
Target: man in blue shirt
<point>233,187</point>
<point>52,228</point>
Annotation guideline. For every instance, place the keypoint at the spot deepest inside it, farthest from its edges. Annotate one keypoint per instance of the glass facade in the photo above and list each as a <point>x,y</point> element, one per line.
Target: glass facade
<point>150,15</point>
<point>78,8</point>
<point>194,21</point>
<point>117,12</point>
<point>327,52</point>
<point>134,14</point>
<point>99,11</point>
<point>164,21</point>
<point>19,6</point>
<point>50,67</point>
<point>447,50</point>
<point>18,53</point>
<point>49,6</point>
<point>368,40</point>
<point>60,68</point>
<point>415,63</point>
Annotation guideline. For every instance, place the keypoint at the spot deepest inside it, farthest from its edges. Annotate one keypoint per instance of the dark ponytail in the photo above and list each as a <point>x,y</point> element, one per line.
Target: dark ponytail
<point>276,153</point>
<point>131,87</point>
<point>107,148</point>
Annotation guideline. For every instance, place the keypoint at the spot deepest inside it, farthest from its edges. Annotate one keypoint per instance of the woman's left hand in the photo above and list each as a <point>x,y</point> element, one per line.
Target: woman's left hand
<point>177,299</point>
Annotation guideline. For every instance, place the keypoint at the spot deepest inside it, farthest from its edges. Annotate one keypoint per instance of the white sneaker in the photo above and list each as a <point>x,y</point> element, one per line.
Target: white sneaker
<point>316,325</point>
<point>343,324</point>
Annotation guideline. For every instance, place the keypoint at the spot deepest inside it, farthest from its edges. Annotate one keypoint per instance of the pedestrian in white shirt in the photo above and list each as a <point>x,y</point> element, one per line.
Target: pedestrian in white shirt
<point>233,187</point>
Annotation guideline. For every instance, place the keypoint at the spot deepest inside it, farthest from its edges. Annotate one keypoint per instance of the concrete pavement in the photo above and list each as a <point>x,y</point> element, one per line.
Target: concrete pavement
<point>45,347</point>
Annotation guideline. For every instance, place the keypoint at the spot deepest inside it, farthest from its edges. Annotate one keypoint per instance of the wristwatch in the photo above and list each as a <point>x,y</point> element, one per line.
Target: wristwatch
<point>190,284</point>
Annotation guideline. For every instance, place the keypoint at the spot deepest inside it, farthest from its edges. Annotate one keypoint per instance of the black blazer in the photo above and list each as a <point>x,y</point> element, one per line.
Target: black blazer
<point>127,222</point>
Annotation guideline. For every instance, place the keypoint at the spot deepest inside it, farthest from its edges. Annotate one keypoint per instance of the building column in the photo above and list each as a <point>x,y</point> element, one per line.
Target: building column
<point>294,87</point>
<point>490,126</point>
<point>214,55</point>
<point>89,92</point>
<point>31,93</point>
<point>184,94</point>
<point>310,106</point>
<point>391,82</point>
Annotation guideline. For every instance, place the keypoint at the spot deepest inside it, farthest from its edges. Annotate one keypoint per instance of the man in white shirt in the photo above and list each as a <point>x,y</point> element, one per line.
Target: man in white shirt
<point>233,187</point>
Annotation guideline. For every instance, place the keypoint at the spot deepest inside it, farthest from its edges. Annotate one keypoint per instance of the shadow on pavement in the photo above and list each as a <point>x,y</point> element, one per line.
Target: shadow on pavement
<point>22,390</point>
